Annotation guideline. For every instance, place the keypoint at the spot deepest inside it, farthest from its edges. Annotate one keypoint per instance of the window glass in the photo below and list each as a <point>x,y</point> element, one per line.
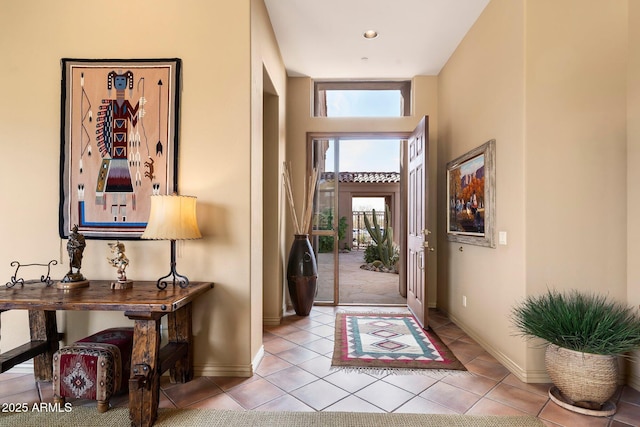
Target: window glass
<point>362,99</point>
<point>364,103</point>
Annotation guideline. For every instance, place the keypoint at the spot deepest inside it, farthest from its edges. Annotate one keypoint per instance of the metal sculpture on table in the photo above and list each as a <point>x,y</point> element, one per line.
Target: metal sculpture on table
<point>16,280</point>
<point>75,247</point>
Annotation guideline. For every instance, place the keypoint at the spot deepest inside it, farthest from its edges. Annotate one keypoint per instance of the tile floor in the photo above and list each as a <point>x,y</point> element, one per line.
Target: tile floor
<point>295,375</point>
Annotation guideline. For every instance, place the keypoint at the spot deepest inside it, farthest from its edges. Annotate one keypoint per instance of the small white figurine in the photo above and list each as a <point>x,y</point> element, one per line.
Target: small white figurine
<point>120,261</point>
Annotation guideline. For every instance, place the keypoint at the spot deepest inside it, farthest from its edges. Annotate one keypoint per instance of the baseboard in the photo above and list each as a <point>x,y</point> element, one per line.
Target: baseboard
<point>243,371</point>
<point>271,321</point>
<point>533,376</point>
<point>22,368</point>
<point>633,381</point>
<point>257,359</point>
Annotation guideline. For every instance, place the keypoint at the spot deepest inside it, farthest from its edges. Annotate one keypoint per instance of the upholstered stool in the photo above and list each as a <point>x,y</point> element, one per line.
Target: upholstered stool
<point>95,367</point>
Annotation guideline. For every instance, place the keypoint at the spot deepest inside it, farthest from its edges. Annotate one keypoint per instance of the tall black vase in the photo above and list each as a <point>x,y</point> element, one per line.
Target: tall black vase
<point>302,275</point>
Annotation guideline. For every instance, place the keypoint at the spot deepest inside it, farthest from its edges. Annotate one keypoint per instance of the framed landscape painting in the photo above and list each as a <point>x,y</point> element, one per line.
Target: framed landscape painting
<point>119,136</point>
<point>471,197</point>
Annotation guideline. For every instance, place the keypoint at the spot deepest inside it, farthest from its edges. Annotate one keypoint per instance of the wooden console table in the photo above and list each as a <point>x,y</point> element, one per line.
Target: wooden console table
<point>144,303</point>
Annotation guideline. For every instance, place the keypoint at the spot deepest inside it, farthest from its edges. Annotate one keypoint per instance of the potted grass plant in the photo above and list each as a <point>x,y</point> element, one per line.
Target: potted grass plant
<point>586,333</point>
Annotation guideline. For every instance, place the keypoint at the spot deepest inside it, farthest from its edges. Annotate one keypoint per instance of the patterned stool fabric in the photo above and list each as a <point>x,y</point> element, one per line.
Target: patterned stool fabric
<point>95,367</point>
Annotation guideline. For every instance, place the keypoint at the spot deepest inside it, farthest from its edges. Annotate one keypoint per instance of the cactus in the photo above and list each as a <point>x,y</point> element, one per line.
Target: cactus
<point>382,239</point>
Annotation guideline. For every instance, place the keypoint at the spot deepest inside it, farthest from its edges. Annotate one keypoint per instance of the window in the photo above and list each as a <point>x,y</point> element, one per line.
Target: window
<point>362,99</point>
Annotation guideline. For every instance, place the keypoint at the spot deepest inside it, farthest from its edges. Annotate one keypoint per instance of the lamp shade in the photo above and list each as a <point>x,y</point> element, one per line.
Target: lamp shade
<point>172,217</point>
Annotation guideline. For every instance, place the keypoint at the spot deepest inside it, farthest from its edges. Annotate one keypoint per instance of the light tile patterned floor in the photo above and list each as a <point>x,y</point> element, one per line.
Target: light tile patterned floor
<point>295,375</point>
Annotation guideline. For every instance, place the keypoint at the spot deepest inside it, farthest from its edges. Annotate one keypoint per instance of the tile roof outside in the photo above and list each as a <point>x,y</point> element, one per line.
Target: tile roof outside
<point>363,177</point>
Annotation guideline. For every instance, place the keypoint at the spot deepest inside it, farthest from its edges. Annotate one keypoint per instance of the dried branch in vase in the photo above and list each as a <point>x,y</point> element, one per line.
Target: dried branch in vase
<point>302,225</point>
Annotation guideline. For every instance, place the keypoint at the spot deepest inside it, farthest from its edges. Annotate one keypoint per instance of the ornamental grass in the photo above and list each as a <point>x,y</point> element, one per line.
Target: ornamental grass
<point>584,322</point>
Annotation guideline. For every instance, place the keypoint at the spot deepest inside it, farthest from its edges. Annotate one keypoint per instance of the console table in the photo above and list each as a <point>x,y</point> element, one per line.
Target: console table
<point>144,303</point>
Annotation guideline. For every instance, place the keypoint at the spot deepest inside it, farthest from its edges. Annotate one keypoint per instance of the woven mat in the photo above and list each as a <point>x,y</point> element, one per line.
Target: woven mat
<point>389,342</point>
<point>88,417</point>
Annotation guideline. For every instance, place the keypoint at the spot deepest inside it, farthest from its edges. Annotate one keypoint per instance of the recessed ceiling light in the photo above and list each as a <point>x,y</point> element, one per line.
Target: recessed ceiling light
<point>370,34</point>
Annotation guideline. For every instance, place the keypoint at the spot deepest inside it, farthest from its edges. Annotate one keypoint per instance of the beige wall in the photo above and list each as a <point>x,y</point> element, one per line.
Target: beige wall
<point>268,88</point>
<point>576,147</point>
<point>549,84</point>
<point>220,101</point>
<point>481,98</point>
<point>633,172</point>
<point>300,122</point>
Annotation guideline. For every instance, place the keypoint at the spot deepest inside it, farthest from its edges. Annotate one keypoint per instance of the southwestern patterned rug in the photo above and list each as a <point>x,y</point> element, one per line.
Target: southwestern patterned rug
<point>389,342</point>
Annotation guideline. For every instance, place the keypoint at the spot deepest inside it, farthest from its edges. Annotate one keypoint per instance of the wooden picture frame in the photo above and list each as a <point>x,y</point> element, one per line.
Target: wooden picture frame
<point>471,181</point>
<point>119,137</point>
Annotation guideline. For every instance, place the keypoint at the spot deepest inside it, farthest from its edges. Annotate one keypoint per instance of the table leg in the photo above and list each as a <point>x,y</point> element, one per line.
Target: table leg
<point>144,383</point>
<point>179,325</point>
<point>43,327</point>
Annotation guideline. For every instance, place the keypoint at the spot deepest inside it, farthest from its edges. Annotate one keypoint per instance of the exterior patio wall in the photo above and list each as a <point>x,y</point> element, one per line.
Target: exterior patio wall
<point>349,190</point>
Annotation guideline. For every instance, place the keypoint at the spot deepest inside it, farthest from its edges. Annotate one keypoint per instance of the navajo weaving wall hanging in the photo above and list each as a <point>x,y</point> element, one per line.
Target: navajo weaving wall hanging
<point>389,342</point>
<point>119,135</point>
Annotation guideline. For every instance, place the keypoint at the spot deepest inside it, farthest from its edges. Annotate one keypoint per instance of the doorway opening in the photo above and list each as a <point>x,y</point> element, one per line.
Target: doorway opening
<point>358,218</point>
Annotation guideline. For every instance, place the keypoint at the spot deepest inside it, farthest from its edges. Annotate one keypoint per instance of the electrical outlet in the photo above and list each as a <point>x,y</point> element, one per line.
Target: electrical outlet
<point>464,301</point>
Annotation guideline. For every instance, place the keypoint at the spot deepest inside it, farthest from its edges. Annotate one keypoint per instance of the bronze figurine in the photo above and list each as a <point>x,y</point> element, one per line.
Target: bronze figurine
<point>74,278</point>
<point>75,248</point>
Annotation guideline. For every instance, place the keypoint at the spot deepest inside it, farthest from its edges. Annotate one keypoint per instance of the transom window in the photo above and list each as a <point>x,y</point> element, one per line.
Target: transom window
<point>362,99</point>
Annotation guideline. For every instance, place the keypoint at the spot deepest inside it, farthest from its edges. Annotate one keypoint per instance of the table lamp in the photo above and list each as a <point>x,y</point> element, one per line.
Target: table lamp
<point>172,217</point>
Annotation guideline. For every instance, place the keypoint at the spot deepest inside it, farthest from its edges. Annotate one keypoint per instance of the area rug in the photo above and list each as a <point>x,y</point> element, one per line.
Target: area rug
<point>391,343</point>
<point>88,417</point>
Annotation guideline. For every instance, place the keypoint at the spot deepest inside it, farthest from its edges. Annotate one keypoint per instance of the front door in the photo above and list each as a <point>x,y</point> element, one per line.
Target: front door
<point>417,233</point>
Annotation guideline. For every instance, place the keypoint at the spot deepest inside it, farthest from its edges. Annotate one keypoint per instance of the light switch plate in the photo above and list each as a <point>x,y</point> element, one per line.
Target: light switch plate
<point>502,237</point>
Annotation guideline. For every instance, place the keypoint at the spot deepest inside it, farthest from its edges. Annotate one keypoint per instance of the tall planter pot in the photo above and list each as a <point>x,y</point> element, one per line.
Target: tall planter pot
<point>302,274</point>
<point>586,380</point>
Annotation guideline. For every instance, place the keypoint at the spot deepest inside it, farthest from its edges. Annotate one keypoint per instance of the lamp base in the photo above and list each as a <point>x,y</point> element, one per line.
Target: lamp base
<point>181,280</point>
<point>173,278</point>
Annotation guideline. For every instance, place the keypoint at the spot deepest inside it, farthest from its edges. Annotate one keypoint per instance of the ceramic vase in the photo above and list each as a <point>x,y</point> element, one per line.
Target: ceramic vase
<point>302,275</point>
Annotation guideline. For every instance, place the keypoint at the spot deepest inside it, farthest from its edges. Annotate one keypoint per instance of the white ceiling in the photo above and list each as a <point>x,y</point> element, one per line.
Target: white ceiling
<point>322,39</point>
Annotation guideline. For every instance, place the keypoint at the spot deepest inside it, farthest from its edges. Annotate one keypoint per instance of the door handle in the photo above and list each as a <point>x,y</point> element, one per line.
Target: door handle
<point>426,246</point>
<point>426,231</point>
